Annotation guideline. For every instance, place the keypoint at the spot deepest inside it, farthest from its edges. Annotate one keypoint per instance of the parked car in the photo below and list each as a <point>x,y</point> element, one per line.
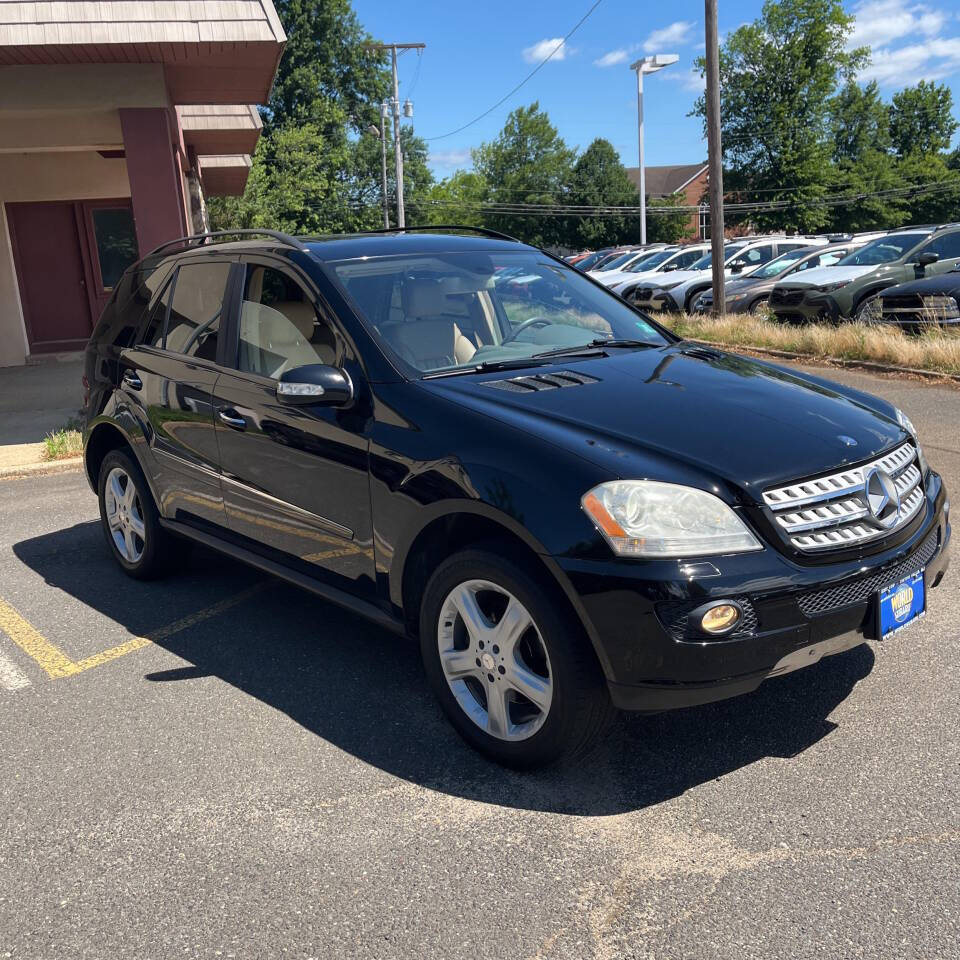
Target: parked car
<point>666,261</point>
<point>575,258</point>
<point>637,257</point>
<point>608,258</point>
<point>750,293</point>
<point>374,419</point>
<point>849,290</point>
<point>679,291</point>
<point>588,261</point>
<point>920,304</point>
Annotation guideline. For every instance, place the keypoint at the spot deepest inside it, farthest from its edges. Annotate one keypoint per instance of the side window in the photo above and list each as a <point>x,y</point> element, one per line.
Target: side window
<point>686,259</point>
<point>757,255</point>
<point>156,323</point>
<point>279,326</point>
<point>193,326</point>
<point>948,246</point>
<point>786,247</point>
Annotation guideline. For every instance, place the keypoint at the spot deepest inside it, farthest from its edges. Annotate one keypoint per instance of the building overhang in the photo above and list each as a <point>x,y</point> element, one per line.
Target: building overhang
<point>212,130</point>
<point>211,52</point>
<point>224,176</point>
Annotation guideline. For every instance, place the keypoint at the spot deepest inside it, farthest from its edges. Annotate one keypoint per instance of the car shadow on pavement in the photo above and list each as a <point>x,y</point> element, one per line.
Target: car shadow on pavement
<point>363,690</point>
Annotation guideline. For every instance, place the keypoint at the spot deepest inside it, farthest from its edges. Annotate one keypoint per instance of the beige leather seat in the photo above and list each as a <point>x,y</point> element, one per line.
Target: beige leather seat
<point>274,339</point>
<point>426,338</point>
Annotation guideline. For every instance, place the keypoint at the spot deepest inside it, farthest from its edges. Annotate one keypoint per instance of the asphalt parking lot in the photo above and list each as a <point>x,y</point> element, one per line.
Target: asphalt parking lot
<point>220,765</point>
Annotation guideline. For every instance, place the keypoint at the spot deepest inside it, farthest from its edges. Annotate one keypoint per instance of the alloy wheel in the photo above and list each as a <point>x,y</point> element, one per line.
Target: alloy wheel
<point>494,660</point>
<point>125,515</point>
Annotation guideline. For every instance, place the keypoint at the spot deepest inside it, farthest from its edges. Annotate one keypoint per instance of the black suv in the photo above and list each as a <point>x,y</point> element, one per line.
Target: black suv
<point>468,441</point>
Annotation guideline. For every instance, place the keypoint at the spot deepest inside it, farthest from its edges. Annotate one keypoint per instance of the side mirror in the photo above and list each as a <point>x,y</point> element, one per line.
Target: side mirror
<point>315,383</point>
<point>925,259</point>
<point>737,266</point>
<point>671,266</point>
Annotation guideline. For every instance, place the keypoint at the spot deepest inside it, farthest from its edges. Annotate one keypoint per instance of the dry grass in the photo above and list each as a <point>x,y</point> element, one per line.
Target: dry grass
<point>63,444</point>
<point>936,349</point>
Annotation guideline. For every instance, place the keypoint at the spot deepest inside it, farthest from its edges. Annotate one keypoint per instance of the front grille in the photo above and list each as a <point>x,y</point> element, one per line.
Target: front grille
<point>786,298</point>
<point>643,293</point>
<point>835,511</point>
<point>675,616</point>
<point>857,591</point>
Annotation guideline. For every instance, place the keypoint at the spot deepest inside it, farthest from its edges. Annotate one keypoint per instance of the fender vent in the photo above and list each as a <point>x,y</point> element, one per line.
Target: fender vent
<point>542,381</point>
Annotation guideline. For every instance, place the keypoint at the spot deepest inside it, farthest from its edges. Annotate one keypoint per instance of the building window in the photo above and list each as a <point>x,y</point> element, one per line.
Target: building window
<point>116,242</point>
<point>704,226</point>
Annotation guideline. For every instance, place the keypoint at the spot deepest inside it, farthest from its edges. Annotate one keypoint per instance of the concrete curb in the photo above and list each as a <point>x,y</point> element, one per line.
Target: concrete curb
<point>837,361</point>
<point>47,468</point>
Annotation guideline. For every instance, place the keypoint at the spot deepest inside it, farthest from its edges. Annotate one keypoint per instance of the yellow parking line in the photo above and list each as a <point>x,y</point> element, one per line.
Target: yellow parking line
<point>57,664</point>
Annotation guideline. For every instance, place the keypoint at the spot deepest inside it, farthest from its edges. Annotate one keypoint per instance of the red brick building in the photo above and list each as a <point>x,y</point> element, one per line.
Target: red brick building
<point>687,179</point>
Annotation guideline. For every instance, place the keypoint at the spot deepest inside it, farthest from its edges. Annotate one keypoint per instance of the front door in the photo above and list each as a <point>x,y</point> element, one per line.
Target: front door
<point>294,478</point>
<point>50,270</point>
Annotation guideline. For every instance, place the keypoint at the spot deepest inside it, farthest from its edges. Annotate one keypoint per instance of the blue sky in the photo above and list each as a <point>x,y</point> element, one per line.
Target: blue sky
<point>477,51</point>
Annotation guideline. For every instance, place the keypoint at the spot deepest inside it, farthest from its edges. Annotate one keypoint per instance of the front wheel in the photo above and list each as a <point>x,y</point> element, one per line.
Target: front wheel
<point>869,310</point>
<point>515,677</point>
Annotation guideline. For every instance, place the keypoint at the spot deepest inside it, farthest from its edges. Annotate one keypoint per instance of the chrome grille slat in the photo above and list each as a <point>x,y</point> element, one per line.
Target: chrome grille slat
<point>831,512</point>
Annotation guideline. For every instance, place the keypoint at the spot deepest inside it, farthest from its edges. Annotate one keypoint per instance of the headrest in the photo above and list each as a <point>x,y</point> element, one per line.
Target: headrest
<point>423,298</point>
<point>300,313</point>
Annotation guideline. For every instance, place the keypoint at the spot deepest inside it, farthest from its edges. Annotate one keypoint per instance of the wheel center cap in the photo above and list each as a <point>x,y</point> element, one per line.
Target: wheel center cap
<point>488,662</point>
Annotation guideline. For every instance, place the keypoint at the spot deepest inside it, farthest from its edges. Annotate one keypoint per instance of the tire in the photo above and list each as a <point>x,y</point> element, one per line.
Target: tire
<point>130,521</point>
<point>864,310</point>
<point>551,659</point>
<point>691,298</point>
<point>760,305</point>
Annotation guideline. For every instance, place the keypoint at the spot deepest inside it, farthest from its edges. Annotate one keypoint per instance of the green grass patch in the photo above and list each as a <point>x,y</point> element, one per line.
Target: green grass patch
<point>65,443</point>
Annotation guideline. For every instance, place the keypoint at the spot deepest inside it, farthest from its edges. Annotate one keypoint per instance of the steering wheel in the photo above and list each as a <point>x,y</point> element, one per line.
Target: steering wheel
<point>532,322</point>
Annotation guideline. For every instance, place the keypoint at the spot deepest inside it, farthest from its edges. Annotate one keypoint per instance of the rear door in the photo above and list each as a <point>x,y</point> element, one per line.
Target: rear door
<point>169,380</point>
<point>295,479</point>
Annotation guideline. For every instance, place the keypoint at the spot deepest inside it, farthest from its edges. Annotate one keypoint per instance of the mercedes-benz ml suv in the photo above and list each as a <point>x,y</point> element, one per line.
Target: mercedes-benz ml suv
<point>571,508</point>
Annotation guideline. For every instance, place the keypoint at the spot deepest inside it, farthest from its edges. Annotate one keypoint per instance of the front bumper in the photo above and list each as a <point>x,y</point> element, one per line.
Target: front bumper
<point>635,612</point>
<point>812,307</point>
<point>661,301</point>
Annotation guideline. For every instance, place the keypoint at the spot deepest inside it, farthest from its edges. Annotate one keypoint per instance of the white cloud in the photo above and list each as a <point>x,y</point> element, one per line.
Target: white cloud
<point>612,58</point>
<point>880,22</point>
<point>688,79</point>
<point>677,34</point>
<point>450,159</point>
<point>540,51</point>
<point>931,60</point>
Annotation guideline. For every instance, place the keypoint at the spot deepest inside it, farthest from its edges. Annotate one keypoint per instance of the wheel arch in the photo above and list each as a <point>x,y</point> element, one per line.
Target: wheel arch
<point>452,527</point>
<point>103,436</point>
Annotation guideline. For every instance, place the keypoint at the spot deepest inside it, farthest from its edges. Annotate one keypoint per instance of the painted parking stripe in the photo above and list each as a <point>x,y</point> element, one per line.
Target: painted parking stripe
<point>57,664</point>
<point>11,676</point>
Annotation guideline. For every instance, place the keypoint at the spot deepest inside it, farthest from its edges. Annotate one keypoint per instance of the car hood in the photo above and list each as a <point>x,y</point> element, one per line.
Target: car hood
<point>720,416</point>
<point>822,275</point>
<point>676,277</point>
<point>943,283</point>
<point>609,277</point>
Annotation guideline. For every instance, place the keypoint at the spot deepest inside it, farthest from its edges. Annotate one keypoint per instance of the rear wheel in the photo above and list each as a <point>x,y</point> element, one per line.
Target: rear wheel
<point>761,305</point>
<point>516,678</point>
<point>869,310</point>
<point>129,518</point>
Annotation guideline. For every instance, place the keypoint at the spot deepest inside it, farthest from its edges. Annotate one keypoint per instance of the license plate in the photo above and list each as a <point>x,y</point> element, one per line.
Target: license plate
<point>901,604</point>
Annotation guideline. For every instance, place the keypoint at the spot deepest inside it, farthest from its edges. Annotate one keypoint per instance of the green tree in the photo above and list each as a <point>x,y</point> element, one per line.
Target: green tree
<point>457,199</point>
<point>667,227</point>
<point>527,163</point>
<point>859,122</point>
<point>921,119</point>
<point>600,179</point>
<point>930,206</point>
<point>365,175</point>
<point>777,75</point>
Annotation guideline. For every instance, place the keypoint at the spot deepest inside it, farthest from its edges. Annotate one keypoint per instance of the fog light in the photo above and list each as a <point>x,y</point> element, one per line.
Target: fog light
<point>720,619</point>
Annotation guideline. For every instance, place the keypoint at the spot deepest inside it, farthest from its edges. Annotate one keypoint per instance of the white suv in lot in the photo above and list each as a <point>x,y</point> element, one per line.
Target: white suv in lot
<point>679,291</point>
<point>667,261</point>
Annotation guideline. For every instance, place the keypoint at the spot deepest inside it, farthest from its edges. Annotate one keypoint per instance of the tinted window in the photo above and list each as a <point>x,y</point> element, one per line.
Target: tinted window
<point>194,323</point>
<point>279,326</point>
<point>116,242</point>
<point>687,259</point>
<point>757,255</point>
<point>157,320</point>
<point>948,246</point>
<point>883,250</point>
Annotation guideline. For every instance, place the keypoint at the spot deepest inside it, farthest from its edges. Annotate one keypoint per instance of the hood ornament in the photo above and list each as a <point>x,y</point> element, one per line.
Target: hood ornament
<point>846,441</point>
<point>882,497</point>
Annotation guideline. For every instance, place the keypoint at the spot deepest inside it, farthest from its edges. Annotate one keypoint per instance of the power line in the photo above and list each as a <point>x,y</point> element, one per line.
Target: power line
<point>528,77</point>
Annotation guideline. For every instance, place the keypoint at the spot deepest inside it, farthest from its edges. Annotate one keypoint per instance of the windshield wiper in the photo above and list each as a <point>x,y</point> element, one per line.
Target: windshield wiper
<point>514,363</point>
<point>592,348</point>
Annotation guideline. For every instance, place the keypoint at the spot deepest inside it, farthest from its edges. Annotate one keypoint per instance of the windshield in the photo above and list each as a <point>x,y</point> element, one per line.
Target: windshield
<point>775,267</point>
<point>728,251</point>
<point>587,262</point>
<point>616,261</point>
<point>883,250</point>
<point>651,260</point>
<point>440,312</point>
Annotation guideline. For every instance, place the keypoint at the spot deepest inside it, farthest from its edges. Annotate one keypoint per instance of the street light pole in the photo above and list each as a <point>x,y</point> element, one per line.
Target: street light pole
<point>383,165</point>
<point>642,66</point>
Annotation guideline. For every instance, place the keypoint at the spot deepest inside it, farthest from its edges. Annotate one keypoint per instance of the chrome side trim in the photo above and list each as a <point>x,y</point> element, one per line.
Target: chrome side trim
<point>199,468</point>
<point>330,525</point>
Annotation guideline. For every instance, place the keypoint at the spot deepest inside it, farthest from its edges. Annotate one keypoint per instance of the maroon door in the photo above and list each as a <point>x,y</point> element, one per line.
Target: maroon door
<point>50,269</point>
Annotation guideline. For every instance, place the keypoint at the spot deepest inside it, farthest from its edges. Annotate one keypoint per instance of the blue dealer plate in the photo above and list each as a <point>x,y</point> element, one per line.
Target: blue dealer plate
<point>901,604</point>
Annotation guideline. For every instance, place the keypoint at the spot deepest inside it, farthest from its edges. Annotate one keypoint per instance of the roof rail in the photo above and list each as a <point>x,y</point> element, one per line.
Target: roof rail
<point>444,226</point>
<point>200,239</point>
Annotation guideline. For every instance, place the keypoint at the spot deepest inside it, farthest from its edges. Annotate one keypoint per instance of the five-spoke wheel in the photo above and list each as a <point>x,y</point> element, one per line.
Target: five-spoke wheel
<point>124,512</point>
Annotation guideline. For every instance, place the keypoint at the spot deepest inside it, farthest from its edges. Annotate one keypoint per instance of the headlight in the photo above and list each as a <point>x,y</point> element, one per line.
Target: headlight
<point>644,518</point>
<point>836,285</point>
<point>941,308</point>
<point>736,296</point>
<point>907,425</point>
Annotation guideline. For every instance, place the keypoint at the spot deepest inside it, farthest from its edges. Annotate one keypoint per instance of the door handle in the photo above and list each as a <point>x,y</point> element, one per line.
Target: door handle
<point>232,419</point>
<point>132,380</point>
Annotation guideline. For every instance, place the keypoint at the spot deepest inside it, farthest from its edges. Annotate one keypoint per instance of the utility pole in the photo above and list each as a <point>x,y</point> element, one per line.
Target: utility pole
<point>715,157</point>
<point>395,103</point>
